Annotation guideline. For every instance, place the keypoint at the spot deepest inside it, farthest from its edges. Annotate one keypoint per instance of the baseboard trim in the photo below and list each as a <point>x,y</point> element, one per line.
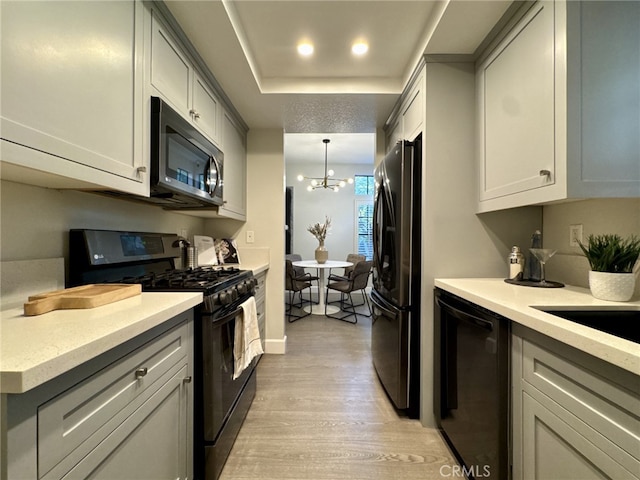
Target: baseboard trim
<point>276,346</point>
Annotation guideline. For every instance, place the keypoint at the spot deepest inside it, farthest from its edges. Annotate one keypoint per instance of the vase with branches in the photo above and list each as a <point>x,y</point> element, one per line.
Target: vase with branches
<point>320,230</point>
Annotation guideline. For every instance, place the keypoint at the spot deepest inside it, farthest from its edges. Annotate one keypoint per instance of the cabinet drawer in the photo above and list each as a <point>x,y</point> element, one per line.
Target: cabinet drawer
<point>128,451</point>
<point>596,397</point>
<point>260,289</point>
<point>84,415</point>
<point>555,449</point>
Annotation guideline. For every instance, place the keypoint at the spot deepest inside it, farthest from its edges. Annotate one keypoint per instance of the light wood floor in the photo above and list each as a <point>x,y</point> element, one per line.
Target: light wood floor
<point>320,413</point>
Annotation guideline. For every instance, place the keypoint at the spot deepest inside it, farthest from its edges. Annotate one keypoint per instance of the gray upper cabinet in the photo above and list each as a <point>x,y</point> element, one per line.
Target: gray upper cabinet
<point>235,170</point>
<point>175,79</point>
<point>558,104</point>
<point>171,71</point>
<point>407,120</point>
<point>72,97</point>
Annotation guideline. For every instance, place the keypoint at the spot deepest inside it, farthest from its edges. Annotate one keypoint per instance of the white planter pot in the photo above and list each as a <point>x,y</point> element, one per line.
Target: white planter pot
<point>617,287</point>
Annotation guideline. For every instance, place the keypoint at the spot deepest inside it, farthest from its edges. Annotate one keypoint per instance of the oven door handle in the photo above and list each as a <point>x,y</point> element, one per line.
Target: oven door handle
<point>228,317</point>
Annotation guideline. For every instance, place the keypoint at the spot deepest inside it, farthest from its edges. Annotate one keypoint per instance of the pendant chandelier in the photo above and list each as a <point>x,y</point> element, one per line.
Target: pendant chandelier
<point>325,182</point>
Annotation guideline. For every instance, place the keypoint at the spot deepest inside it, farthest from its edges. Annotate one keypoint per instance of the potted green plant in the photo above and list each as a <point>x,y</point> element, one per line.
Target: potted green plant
<point>612,261</point>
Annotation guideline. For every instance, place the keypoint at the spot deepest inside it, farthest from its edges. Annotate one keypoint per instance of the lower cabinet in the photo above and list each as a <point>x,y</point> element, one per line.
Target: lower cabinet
<point>150,443</point>
<point>574,416</point>
<point>129,414</point>
<point>261,304</point>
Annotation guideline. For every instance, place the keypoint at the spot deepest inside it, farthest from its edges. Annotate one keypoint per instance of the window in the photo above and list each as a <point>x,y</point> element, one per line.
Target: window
<point>364,185</point>
<point>364,227</point>
<point>183,176</point>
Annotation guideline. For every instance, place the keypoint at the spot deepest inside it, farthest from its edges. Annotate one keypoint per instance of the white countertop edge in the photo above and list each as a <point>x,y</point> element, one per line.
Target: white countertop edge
<point>257,268</point>
<point>521,304</point>
<point>53,353</point>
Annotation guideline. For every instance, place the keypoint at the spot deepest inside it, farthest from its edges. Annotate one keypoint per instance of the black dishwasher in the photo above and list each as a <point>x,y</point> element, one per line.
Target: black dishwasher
<point>472,396</point>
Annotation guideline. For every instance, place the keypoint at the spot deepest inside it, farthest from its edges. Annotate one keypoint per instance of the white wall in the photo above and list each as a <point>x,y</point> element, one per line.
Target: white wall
<point>35,221</point>
<point>311,207</point>
<point>265,217</point>
<point>615,215</point>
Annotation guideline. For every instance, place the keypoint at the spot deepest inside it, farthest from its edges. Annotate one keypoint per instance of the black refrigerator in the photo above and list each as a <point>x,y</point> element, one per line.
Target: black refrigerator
<point>395,331</point>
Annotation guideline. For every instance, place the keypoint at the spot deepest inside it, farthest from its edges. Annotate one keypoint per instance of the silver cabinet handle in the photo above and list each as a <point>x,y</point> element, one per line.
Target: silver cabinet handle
<point>187,379</point>
<point>141,372</point>
<point>545,173</point>
<point>194,113</point>
<point>141,169</point>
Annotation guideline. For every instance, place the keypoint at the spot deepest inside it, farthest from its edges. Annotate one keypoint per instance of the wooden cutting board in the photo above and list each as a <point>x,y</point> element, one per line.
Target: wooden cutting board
<point>85,296</point>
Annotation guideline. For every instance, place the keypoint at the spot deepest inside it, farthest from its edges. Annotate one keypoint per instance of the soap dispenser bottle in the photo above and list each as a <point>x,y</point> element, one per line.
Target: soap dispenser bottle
<point>535,274</point>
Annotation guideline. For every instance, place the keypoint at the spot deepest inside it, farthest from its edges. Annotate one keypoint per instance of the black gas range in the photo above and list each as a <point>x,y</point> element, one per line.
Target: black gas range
<point>106,256</point>
<point>220,401</point>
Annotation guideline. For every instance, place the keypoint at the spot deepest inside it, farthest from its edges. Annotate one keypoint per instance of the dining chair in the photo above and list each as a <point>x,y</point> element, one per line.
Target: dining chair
<point>295,284</point>
<point>357,281</point>
<point>300,272</point>
<point>353,258</point>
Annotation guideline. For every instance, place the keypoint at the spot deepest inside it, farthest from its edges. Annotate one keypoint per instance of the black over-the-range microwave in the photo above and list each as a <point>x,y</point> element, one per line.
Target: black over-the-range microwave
<point>186,168</point>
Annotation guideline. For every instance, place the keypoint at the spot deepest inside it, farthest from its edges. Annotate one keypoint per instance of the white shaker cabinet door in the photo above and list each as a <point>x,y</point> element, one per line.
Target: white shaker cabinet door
<point>206,109</point>
<point>554,450</point>
<point>149,444</point>
<point>170,69</point>
<point>71,90</point>
<point>517,100</point>
<point>235,170</point>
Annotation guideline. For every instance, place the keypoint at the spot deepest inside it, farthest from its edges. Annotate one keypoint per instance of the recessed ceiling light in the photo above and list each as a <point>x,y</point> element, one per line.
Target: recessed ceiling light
<point>359,48</point>
<point>305,49</point>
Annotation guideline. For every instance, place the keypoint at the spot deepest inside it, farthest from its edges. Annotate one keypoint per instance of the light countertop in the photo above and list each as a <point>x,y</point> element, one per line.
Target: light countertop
<point>256,267</point>
<point>36,349</point>
<point>518,303</point>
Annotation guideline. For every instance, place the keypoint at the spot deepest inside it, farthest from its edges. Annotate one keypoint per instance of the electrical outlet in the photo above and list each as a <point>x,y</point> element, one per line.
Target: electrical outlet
<point>250,236</point>
<point>575,235</point>
<point>182,233</point>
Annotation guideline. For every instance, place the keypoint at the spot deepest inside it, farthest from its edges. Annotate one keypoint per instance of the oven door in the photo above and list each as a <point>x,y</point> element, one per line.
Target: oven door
<point>220,390</point>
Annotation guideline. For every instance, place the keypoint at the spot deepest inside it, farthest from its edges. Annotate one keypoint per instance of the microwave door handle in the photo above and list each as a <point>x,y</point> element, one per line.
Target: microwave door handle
<point>219,170</point>
<point>211,187</point>
<point>213,162</point>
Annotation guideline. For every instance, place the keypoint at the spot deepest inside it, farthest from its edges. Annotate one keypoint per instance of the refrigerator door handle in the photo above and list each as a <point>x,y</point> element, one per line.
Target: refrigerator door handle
<point>385,310</point>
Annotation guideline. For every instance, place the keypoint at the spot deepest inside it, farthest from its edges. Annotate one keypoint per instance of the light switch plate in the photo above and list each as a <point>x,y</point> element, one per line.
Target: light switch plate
<point>575,235</point>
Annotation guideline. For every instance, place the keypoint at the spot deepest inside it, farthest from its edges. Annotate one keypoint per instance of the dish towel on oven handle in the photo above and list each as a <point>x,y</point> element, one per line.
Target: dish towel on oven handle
<point>246,342</point>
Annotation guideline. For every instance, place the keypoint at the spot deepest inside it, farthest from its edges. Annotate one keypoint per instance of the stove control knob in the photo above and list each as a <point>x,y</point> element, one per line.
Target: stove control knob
<point>225,298</point>
<point>234,294</point>
<point>242,288</point>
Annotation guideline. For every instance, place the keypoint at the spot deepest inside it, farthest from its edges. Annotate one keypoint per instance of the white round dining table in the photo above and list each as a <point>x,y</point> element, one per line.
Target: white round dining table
<point>318,309</point>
